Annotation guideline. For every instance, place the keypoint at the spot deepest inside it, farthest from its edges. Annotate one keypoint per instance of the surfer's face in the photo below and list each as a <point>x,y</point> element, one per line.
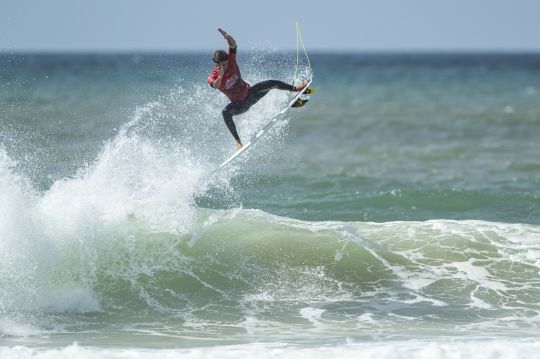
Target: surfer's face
<point>222,63</point>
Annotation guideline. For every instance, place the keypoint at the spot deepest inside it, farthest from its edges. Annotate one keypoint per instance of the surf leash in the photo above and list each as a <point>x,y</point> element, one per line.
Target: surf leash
<point>300,42</point>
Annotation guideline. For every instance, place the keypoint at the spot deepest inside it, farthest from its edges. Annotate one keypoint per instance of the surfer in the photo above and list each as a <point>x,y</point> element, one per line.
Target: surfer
<point>226,77</point>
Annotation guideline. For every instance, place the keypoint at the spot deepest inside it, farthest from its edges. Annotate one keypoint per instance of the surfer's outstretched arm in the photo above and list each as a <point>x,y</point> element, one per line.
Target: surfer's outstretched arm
<point>229,38</point>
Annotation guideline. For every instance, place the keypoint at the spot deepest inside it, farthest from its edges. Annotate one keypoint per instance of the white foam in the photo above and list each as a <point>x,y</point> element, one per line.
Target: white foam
<point>312,314</point>
<point>491,349</point>
<point>73,298</point>
<point>367,318</point>
<point>9,327</point>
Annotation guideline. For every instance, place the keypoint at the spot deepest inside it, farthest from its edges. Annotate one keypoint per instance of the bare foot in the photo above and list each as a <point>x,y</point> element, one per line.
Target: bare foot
<point>301,86</point>
<point>239,145</point>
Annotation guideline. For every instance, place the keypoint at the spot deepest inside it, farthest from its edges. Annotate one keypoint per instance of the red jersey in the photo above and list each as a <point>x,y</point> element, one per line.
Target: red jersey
<point>232,84</point>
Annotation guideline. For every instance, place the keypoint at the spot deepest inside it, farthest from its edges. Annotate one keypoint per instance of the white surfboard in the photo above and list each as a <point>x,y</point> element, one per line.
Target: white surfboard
<point>265,129</point>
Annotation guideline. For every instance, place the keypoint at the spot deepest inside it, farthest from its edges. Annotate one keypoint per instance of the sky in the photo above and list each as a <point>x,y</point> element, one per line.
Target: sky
<point>327,25</point>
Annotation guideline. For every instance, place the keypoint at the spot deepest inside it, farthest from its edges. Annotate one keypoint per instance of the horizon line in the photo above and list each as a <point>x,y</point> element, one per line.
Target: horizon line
<point>140,51</point>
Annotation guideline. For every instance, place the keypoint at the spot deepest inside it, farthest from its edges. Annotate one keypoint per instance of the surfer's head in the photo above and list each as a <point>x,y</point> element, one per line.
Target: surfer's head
<point>220,56</point>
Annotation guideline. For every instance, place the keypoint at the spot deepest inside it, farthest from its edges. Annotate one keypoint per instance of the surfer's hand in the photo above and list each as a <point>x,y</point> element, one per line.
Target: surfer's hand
<point>229,38</point>
<point>222,32</point>
<point>221,70</point>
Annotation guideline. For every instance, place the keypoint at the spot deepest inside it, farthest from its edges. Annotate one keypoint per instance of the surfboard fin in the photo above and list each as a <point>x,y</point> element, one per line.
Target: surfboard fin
<point>310,91</point>
<point>299,103</point>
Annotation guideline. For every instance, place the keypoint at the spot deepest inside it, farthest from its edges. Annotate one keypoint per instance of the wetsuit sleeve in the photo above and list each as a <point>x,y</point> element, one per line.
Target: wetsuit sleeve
<point>232,55</point>
<point>213,77</point>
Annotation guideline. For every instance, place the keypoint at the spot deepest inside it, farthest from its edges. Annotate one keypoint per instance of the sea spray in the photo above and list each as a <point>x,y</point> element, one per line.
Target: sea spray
<point>53,241</point>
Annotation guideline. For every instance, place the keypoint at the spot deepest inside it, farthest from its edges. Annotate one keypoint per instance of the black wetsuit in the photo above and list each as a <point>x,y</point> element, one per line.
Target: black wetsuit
<point>255,93</point>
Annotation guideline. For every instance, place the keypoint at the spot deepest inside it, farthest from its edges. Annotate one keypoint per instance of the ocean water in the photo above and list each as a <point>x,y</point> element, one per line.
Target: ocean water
<point>396,215</point>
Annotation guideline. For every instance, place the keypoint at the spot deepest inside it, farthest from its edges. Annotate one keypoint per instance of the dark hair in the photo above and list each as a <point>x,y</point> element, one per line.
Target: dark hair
<point>220,56</point>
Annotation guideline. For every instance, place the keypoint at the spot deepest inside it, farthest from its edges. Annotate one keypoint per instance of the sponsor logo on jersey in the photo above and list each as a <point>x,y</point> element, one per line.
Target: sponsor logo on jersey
<point>231,81</point>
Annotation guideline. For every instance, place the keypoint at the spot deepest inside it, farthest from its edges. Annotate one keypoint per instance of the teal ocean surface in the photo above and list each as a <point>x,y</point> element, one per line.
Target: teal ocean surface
<point>396,215</point>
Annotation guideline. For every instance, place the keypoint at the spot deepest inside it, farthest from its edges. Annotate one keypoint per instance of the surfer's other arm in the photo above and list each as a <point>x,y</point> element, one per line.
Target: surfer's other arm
<point>215,78</point>
<point>230,40</point>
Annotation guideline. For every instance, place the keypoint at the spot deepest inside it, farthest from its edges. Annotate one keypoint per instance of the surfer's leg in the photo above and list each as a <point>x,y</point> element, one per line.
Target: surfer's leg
<point>263,87</point>
<point>232,109</point>
<point>259,90</point>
